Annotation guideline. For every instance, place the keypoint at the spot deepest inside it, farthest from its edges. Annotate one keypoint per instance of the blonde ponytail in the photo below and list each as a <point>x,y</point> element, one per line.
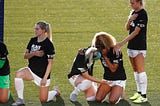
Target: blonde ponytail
<point>49,31</point>
<point>47,28</point>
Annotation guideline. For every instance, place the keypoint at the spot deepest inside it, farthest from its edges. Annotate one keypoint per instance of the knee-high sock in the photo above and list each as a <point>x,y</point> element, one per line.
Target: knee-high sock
<point>136,77</point>
<point>84,85</point>
<point>143,82</point>
<point>51,94</point>
<point>19,85</point>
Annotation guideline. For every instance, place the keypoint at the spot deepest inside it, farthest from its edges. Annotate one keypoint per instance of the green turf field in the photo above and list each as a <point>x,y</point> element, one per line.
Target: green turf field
<point>74,23</point>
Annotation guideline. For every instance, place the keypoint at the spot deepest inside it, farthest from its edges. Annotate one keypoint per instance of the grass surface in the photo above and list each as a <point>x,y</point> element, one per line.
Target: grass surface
<point>74,23</point>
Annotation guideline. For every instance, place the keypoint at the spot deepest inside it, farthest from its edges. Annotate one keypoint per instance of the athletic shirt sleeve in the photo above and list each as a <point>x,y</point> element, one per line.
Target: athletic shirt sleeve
<point>50,51</point>
<point>142,20</point>
<point>117,58</point>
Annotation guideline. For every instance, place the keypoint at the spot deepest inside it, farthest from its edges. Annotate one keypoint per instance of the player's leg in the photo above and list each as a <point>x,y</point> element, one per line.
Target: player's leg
<point>115,94</point>
<point>102,91</point>
<point>132,54</point>
<point>80,84</point>
<point>75,92</point>
<point>4,88</point>
<point>21,74</point>
<point>53,93</point>
<point>90,93</point>
<point>136,77</point>
<point>4,95</point>
<point>139,63</point>
<point>43,93</point>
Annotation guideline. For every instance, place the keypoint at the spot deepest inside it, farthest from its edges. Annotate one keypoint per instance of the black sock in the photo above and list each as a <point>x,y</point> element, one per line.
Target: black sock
<point>139,93</point>
<point>144,95</point>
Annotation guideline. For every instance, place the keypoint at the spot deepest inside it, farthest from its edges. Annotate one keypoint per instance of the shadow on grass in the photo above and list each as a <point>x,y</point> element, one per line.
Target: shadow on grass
<point>121,103</point>
<point>76,103</point>
<point>59,102</point>
<point>146,104</point>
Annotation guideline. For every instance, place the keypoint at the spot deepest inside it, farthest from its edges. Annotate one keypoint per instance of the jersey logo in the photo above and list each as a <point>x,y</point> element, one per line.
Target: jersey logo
<point>35,48</point>
<point>141,25</point>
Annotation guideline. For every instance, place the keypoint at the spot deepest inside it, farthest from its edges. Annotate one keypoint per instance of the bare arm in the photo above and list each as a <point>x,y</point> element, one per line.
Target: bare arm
<point>131,36</point>
<point>28,55</point>
<point>131,18</point>
<point>87,76</point>
<point>113,67</point>
<point>48,70</point>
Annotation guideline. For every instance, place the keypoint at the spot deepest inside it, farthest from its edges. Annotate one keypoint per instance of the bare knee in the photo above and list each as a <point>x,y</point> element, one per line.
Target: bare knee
<point>3,100</point>
<point>98,99</point>
<point>20,73</point>
<point>42,99</point>
<point>112,100</point>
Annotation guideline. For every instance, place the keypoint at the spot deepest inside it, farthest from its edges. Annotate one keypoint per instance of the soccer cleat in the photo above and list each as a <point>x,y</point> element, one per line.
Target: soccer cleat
<point>73,97</point>
<point>140,100</point>
<point>18,102</point>
<point>135,96</point>
<point>57,90</point>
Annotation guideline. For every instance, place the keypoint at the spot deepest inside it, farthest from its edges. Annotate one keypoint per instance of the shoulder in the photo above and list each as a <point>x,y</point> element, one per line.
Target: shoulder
<point>48,41</point>
<point>34,38</point>
<point>143,12</point>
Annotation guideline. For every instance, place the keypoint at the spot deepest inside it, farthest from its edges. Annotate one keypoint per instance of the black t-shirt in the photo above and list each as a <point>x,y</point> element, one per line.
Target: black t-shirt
<point>119,74</point>
<point>139,41</point>
<point>5,69</point>
<point>80,65</point>
<point>38,65</point>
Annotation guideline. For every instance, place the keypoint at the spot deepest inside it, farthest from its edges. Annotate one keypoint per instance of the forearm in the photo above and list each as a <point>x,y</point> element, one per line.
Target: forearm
<point>127,25</point>
<point>48,70</point>
<point>112,67</point>
<point>85,75</point>
<point>128,38</point>
<point>29,55</point>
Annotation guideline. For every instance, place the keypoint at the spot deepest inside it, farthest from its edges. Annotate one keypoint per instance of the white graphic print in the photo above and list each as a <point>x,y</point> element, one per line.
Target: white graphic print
<point>35,48</point>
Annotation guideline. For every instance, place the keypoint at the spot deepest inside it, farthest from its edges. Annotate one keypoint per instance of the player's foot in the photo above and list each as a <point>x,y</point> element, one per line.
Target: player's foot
<point>73,97</point>
<point>140,100</point>
<point>57,90</point>
<point>18,102</point>
<point>135,96</point>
